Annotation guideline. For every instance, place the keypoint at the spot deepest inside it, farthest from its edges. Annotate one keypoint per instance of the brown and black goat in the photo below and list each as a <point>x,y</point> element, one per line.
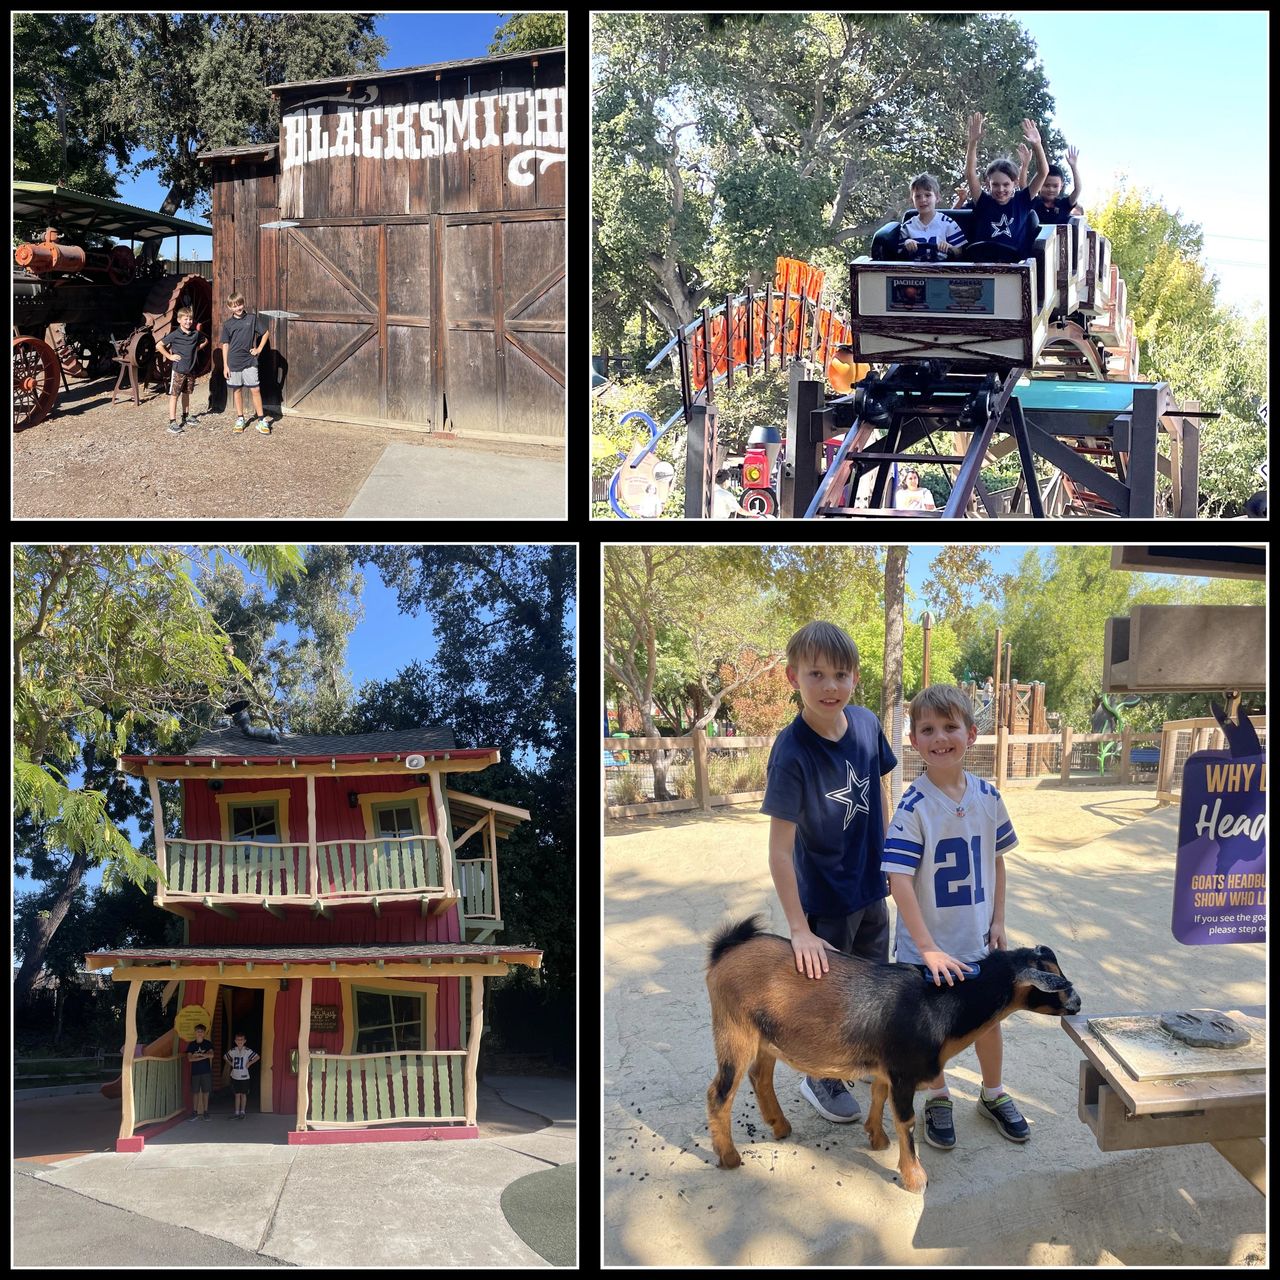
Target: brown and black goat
<point>860,1018</point>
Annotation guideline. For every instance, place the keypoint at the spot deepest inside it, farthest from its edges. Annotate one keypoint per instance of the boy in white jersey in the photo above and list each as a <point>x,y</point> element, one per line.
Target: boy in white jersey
<point>927,224</point>
<point>944,856</point>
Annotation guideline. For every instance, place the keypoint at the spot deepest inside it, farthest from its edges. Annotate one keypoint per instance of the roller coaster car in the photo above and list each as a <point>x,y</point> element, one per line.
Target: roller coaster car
<point>989,315</point>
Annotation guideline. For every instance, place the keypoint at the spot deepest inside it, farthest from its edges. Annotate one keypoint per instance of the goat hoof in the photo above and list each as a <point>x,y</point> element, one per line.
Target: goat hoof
<point>914,1179</point>
<point>782,1129</point>
<point>730,1160</point>
<point>878,1140</point>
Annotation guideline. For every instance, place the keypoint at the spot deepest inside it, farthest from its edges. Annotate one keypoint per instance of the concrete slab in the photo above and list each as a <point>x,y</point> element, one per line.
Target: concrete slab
<point>822,1196</point>
<point>389,1204</point>
<point>440,481</point>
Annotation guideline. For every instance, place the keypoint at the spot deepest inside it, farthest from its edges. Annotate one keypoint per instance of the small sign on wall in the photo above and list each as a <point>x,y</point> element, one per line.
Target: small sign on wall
<point>324,1017</point>
<point>189,1017</point>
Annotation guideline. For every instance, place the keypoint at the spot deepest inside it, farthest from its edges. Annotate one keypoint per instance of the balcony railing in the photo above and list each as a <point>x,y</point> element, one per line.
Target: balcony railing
<point>353,1090</point>
<point>334,869</point>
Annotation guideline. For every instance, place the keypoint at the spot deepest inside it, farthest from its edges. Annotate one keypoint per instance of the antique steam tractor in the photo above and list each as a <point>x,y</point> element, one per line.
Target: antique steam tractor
<point>82,312</point>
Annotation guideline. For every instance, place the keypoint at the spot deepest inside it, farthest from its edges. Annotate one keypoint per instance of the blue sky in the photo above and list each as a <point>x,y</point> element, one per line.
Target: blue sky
<point>1178,101</point>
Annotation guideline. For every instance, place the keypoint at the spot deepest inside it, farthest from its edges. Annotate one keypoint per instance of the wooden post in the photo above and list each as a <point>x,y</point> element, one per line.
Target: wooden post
<point>130,1047</point>
<point>701,782</point>
<point>1066,754</point>
<point>493,863</point>
<point>304,1055</point>
<point>162,860</point>
<point>313,861</point>
<point>443,837</point>
<point>1126,768</point>
<point>473,1047</point>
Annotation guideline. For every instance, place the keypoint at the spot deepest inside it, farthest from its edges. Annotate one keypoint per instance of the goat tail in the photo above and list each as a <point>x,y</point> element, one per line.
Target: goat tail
<point>732,935</point>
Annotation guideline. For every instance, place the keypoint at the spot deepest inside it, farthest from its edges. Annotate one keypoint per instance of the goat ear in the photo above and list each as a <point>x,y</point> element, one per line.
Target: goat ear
<point>1041,980</point>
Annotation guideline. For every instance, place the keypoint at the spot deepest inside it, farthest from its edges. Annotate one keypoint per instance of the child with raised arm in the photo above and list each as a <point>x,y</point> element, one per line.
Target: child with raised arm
<point>1002,212</point>
<point>944,856</point>
<point>1048,207</point>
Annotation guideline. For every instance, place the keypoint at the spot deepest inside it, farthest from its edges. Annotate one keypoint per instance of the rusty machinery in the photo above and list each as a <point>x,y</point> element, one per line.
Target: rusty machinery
<point>79,311</point>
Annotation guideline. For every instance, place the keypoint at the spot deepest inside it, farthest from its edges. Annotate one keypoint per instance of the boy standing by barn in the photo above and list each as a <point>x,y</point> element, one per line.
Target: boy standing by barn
<point>243,338</point>
<point>179,347</point>
<point>827,824</point>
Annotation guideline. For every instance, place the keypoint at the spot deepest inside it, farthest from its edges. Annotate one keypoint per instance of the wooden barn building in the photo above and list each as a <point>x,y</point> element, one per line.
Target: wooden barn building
<point>339,905</point>
<point>411,225</point>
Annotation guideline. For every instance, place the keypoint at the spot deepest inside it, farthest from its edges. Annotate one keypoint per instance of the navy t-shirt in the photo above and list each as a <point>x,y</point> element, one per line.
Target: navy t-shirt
<point>205,1066</point>
<point>1060,213</point>
<point>1006,224</point>
<point>831,791</point>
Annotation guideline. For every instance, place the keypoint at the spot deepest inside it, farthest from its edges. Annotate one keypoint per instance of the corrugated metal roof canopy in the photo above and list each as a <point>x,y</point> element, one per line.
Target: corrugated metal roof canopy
<point>460,64</point>
<point>77,210</point>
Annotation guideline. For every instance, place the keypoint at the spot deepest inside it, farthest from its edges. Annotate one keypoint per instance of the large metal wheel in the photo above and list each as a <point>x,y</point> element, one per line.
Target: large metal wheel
<point>35,381</point>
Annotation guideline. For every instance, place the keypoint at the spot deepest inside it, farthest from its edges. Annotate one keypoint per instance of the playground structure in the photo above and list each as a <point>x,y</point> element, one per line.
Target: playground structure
<point>1040,352</point>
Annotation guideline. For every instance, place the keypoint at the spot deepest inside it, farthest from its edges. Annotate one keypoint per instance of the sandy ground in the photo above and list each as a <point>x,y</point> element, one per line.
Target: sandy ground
<point>1092,878</point>
<point>94,459</point>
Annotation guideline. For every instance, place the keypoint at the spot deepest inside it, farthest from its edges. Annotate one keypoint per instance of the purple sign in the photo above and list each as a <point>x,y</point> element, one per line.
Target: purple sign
<point>1220,887</point>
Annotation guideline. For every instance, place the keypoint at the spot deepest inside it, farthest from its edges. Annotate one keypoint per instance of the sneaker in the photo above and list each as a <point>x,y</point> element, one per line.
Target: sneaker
<point>194,1118</point>
<point>939,1130</point>
<point>1006,1117</point>
<point>175,428</point>
<point>262,427</point>
<point>238,426</point>
<point>206,1116</point>
<point>830,1099</point>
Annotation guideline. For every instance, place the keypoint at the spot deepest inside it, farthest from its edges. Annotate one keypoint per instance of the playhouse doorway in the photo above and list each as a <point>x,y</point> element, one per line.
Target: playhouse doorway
<point>241,1010</point>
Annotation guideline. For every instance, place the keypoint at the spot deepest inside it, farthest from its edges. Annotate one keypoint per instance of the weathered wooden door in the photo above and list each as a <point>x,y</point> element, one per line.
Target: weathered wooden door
<point>503,321</point>
<point>361,347</point>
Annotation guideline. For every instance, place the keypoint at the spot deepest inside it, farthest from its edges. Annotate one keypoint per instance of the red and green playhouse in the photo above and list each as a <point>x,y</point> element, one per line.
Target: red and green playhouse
<point>331,914</point>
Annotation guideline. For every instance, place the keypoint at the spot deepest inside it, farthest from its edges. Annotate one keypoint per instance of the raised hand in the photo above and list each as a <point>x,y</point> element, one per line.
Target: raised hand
<point>1073,154</point>
<point>1030,132</point>
<point>975,126</point>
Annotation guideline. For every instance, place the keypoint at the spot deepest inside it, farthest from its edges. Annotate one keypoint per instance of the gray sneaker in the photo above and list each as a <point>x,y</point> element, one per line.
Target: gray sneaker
<point>830,1099</point>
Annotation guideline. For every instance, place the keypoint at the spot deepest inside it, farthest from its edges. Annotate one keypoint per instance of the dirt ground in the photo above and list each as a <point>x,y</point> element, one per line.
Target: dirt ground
<point>91,458</point>
<point>1092,877</point>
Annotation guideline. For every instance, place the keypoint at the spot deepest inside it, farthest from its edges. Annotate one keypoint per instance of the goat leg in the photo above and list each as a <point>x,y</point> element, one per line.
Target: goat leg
<point>903,1095</point>
<point>761,1074</point>
<point>874,1123</point>
<point>720,1101</point>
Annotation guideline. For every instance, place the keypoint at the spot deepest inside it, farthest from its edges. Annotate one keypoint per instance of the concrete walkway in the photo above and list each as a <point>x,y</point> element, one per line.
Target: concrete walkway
<point>822,1196</point>
<point>253,1201</point>
<point>436,480</point>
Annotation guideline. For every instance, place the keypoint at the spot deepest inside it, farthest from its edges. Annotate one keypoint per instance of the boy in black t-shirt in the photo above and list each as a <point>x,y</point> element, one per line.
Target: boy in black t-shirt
<point>243,338</point>
<point>200,1055</point>
<point>180,347</point>
<point>1048,206</point>
<point>1001,213</point>
<point>827,823</point>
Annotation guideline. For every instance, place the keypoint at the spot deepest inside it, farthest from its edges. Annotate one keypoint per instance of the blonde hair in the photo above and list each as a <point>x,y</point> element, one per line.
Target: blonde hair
<point>943,699</point>
<point>822,640</point>
<point>233,298</point>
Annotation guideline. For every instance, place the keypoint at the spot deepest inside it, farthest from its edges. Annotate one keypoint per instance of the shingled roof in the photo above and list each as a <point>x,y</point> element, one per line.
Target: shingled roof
<point>231,742</point>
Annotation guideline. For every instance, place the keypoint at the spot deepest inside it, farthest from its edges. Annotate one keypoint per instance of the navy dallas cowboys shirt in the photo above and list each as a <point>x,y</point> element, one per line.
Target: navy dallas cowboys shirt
<point>831,791</point>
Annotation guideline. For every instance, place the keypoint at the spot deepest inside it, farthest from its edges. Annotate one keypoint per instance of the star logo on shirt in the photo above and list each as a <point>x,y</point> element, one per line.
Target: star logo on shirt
<point>1002,227</point>
<point>845,796</point>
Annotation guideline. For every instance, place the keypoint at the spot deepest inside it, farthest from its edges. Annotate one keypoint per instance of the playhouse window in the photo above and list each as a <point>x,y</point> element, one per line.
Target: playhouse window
<point>255,822</point>
<point>396,819</point>
<point>388,1022</point>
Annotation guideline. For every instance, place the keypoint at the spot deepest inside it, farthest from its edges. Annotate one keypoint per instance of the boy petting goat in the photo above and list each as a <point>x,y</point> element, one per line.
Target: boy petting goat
<point>944,856</point>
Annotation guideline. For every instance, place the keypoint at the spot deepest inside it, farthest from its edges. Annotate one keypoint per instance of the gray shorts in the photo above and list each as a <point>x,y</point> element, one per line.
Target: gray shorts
<point>202,1083</point>
<point>244,378</point>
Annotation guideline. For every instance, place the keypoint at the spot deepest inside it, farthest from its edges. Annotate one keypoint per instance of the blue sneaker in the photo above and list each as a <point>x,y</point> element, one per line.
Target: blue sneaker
<point>939,1128</point>
<point>830,1099</point>
<point>1006,1117</point>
